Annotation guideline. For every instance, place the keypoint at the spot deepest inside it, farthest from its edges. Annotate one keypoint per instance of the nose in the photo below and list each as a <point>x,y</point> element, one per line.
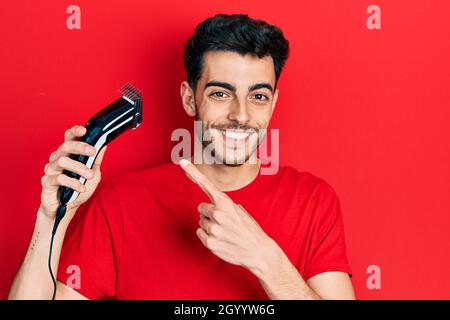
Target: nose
<point>239,113</point>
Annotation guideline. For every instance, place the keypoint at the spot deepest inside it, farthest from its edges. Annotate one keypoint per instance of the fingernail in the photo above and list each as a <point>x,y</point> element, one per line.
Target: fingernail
<point>184,163</point>
<point>89,149</point>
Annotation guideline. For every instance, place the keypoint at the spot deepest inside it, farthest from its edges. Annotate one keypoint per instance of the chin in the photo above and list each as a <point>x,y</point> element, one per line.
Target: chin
<point>230,164</point>
<point>230,157</point>
<point>231,161</point>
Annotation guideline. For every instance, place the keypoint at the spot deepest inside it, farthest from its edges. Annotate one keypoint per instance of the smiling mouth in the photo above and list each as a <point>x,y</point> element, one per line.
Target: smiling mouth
<point>235,134</point>
<point>239,136</point>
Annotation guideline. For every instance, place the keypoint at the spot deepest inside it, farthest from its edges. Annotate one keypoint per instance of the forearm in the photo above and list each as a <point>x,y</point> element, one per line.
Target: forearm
<point>33,279</point>
<point>280,279</point>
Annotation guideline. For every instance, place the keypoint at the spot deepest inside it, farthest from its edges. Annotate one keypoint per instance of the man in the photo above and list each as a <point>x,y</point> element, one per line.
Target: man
<point>204,230</point>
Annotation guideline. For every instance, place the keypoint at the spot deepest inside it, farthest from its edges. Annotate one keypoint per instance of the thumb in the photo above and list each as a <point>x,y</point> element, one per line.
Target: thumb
<point>98,161</point>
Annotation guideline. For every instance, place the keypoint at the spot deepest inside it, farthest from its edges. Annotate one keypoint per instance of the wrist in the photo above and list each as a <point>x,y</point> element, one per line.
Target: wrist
<point>45,219</point>
<point>270,260</point>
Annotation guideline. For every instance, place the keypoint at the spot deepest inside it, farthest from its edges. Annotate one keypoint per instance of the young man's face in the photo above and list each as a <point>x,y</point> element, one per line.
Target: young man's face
<point>234,99</point>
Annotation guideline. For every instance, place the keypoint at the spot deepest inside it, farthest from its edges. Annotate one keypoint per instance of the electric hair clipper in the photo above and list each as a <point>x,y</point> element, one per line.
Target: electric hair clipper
<point>123,114</point>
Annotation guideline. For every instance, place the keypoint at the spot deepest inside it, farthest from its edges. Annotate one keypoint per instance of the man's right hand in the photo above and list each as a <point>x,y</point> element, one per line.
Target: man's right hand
<point>60,160</point>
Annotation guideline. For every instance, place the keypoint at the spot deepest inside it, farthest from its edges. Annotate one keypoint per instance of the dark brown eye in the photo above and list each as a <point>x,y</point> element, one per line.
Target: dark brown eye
<point>218,94</point>
<point>260,96</point>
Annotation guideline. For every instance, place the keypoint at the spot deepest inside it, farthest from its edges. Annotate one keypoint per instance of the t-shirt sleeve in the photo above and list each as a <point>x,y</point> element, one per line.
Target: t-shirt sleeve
<point>328,248</point>
<point>87,262</point>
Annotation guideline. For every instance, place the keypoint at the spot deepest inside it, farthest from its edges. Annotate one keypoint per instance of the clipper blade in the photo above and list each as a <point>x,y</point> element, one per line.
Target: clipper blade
<point>134,96</point>
<point>131,92</point>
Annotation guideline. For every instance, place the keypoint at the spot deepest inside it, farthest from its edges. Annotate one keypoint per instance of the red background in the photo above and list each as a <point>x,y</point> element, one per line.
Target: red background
<point>367,110</point>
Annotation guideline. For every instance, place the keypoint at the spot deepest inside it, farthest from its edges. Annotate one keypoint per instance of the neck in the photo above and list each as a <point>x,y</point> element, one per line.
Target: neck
<point>230,178</point>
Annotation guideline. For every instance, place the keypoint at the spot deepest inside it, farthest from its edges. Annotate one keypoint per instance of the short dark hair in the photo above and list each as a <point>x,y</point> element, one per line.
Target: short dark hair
<point>238,33</point>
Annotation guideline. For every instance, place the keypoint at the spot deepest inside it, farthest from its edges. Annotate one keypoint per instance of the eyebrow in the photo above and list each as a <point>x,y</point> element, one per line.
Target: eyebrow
<point>224,85</point>
<point>230,87</point>
<point>260,86</point>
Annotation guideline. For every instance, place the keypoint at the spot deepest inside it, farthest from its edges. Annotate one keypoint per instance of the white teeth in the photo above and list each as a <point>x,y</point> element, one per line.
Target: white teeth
<point>235,135</point>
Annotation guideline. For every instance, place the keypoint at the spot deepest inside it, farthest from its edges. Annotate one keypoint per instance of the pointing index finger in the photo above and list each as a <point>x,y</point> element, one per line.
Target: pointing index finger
<point>207,186</point>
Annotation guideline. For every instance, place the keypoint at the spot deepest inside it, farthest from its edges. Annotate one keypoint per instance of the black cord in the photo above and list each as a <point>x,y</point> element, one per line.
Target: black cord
<point>59,215</point>
<point>50,267</point>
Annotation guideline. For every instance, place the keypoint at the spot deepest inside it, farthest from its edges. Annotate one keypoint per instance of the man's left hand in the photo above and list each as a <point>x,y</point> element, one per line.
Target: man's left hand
<point>228,230</point>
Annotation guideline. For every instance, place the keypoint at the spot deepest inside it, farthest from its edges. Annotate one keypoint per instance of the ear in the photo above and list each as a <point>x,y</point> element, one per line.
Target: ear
<point>188,99</point>
<point>275,98</point>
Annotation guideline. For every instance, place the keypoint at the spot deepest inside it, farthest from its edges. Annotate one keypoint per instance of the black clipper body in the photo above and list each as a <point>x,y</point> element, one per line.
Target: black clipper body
<point>123,114</point>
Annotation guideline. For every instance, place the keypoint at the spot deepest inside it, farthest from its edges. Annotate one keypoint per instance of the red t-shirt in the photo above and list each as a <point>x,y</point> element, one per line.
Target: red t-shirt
<point>137,239</point>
